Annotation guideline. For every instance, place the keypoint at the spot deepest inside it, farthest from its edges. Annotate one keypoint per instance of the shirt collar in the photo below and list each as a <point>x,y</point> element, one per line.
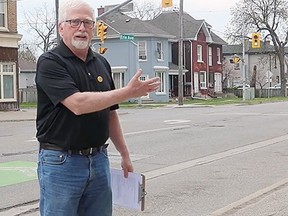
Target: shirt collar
<point>66,52</point>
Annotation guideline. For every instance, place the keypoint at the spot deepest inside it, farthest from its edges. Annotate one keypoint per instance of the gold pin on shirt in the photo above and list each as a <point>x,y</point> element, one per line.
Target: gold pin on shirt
<point>100,79</point>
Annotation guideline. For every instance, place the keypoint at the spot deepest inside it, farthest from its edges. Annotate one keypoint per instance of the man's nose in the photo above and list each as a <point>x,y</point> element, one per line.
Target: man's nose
<point>82,25</point>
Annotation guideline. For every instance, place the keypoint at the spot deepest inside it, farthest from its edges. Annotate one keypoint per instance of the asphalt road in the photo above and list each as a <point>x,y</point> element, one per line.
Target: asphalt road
<point>198,161</point>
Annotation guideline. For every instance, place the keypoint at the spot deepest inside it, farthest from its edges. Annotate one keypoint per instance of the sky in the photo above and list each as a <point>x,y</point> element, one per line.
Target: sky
<point>215,12</point>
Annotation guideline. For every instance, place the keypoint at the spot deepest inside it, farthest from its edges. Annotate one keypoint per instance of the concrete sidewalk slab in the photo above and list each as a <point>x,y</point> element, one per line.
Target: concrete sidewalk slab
<point>21,115</point>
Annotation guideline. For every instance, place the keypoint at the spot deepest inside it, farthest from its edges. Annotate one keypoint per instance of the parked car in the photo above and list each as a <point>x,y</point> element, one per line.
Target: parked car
<point>241,86</point>
<point>278,86</point>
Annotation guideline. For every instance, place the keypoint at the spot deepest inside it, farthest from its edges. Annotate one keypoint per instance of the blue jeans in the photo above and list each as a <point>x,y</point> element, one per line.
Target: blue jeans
<point>74,185</point>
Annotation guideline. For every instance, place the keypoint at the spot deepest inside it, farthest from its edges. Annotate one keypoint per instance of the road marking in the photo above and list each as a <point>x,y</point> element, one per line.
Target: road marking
<point>159,129</point>
<point>210,158</point>
<point>15,172</point>
<point>247,199</point>
<point>176,121</point>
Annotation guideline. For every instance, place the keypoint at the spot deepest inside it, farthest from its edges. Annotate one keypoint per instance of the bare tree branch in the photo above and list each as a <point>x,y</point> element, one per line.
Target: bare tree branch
<point>146,10</point>
<point>43,23</point>
<point>265,16</point>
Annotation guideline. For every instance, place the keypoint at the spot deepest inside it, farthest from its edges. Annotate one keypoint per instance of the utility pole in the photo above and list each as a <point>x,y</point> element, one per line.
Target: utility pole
<point>57,19</point>
<point>180,56</point>
<point>243,70</point>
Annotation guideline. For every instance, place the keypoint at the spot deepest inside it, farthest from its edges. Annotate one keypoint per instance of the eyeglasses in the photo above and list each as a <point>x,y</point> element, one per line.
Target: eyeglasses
<point>77,22</point>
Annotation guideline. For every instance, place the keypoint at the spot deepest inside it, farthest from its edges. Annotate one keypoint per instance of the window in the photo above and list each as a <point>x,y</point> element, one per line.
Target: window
<point>118,75</point>
<point>210,56</point>
<point>7,81</point>
<point>2,14</point>
<point>142,50</point>
<point>159,51</point>
<point>218,56</point>
<point>199,53</point>
<point>161,75</point>
<point>203,80</point>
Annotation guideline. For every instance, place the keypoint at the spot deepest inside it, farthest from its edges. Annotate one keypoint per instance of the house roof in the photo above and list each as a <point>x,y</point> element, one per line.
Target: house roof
<point>169,20</point>
<point>26,66</point>
<point>122,24</point>
<point>236,49</point>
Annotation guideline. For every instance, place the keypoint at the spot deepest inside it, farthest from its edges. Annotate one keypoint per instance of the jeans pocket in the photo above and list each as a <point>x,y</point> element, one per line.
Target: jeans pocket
<point>53,157</point>
<point>104,152</point>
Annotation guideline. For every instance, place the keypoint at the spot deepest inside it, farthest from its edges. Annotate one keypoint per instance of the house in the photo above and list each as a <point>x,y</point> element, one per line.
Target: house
<point>202,53</point>
<point>132,44</point>
<point>27,73</point>
<point>9,39</point>
<point>261,62</point>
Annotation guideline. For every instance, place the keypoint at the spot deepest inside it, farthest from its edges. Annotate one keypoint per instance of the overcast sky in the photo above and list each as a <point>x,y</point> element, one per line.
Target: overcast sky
<point>215,12</point>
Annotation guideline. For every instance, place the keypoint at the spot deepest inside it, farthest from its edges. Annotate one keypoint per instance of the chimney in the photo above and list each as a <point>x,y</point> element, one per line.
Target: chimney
<point>101,10</point>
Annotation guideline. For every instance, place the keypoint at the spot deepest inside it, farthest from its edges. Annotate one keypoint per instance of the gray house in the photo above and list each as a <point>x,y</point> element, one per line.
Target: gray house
<point>147,47</point>
<point>27,73</point>
<point>262,62</point>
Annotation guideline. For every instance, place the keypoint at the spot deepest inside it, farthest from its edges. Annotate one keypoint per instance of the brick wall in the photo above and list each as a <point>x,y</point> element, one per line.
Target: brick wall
<point>8,54</point>
<point>12,16</point>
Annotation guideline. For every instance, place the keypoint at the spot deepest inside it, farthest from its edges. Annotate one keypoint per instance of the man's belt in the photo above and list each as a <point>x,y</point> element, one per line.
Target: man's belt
<point>85,152</point>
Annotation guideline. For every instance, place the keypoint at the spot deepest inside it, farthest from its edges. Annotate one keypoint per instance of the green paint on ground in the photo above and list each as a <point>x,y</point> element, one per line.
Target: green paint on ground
<point>16,172</point>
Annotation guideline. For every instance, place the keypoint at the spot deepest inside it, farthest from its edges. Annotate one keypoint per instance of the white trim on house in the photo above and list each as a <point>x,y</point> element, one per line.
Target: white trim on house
<point>119,69</point>
<point>9,40</point>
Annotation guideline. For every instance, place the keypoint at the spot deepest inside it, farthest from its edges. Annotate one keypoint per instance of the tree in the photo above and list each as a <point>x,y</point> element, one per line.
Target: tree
<point>42,23</point>
<point>267,17</point>
<point>26,53</point>
<point>228,74</point>
<point>145,11</point>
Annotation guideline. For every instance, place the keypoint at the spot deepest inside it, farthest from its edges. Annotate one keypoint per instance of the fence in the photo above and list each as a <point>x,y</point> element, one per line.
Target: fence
<point>27,95</point>
<point>259,93</point>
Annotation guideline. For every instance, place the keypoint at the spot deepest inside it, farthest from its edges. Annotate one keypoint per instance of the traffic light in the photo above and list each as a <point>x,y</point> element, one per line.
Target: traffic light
<point>235,60</point>
<point>167,3</point>
<point>102,50</point>
<point>256,43</point>
<point>101,31</point>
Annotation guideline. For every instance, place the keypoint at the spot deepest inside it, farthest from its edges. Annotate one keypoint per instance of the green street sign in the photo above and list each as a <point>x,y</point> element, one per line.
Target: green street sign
<point>126,37</point>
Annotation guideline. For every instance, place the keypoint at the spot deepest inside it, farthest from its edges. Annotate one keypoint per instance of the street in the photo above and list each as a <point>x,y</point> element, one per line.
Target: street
<point>198,160</point>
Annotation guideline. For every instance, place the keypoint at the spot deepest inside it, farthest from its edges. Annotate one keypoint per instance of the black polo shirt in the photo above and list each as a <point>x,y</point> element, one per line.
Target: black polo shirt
<point>60,74</point>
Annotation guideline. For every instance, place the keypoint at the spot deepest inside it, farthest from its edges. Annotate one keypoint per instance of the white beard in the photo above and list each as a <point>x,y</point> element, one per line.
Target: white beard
<point>80,44</point>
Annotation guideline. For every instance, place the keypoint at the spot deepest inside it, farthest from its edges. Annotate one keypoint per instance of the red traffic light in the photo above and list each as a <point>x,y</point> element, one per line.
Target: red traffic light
<point>256,42</point>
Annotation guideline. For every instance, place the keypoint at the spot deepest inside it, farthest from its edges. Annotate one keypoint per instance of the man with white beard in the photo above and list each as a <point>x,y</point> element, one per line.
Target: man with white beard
<point>76,114</point>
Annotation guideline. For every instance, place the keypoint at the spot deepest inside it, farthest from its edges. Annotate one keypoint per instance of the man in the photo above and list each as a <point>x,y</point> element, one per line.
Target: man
<point>77,104</point>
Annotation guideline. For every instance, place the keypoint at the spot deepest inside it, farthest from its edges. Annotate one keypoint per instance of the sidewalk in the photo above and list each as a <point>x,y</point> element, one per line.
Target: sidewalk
<point>21,115</point>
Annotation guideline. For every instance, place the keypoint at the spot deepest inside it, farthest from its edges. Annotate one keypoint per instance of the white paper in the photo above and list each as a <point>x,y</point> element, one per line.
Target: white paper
<point>126,191</point>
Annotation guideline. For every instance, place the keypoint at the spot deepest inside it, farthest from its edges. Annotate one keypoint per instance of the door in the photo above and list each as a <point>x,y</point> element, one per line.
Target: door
<point>196,82</point>
<point>218,82</point>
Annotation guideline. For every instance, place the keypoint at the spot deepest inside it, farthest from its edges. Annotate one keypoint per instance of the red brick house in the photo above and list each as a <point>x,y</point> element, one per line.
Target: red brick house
<point>9,39</point>
<point>202,54</point>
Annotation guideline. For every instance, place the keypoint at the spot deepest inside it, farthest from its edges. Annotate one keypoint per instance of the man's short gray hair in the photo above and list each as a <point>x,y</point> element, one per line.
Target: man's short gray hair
<point>67,5</point>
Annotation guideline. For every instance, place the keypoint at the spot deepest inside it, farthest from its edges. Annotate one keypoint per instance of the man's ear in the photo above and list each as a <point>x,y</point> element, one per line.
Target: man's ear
<point>60,29</point>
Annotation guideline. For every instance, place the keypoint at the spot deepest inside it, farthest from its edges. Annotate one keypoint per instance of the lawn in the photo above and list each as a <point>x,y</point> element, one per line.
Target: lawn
<point>211,101</point>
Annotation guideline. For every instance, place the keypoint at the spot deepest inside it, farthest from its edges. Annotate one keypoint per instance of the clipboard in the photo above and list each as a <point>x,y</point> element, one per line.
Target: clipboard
<point>142,192</point>
<point>128,192</point>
